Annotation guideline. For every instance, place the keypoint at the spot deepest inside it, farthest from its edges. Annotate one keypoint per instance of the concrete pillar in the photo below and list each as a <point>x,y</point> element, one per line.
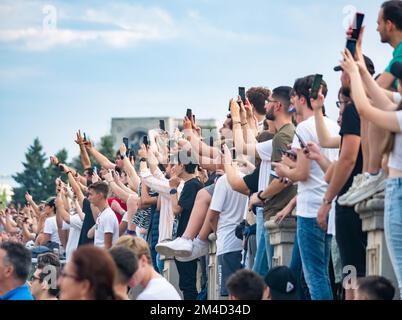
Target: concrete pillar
<point>282,238</point>
<point>170,272</point>
<point>213,287</point>
<point>377,258</point>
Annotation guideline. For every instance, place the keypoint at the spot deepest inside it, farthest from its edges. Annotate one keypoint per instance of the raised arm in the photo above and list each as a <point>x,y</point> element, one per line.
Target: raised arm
<point>85,160</point>
<point>103,161</point>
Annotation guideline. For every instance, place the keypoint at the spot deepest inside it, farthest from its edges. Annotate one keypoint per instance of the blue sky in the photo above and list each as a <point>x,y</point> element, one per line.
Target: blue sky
<point>107,59</point>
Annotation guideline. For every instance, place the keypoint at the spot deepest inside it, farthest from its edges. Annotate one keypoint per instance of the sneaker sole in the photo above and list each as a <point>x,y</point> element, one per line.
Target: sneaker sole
<point>169,252</point>
<point>364,196</point>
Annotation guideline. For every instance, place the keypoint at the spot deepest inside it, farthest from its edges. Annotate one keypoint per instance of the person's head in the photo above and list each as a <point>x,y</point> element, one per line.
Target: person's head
<point>345,79</point>
<point>141,250</point>
<point>227,127</point>
<point>44,282</point>
<point>374,288</point>
<point>301,93</point>
<point>343,100</point>
<point>183,163</point>
<point>389,20</point>
<point>15,264</point>
<point>281,283</point>
<point>245,285</point>
<point>257,97</point>
<point>88,275</point>
<point>50,206</point>
<point>278,103</point>
<point>98,192</point>
<point>127,264</point>
<point>44,279</point>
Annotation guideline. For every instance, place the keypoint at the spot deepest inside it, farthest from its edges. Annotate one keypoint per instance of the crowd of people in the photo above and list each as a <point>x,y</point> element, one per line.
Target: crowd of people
<point>106,233</point>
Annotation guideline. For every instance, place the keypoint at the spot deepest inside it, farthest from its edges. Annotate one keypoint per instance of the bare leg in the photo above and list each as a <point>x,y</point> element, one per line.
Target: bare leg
<point>197,217</point>
<point>364,132</point>
<point>206,229</point>
<point>376,138</point>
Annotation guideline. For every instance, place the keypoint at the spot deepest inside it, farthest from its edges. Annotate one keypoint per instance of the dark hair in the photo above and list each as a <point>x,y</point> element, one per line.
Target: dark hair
<point>303,85</point>
<point>392,11</point>
<point>47,258</point>
<point>96,266</point>
<point>246,285</point>
<point>376,288</point>
<point>100,187</point>
<point>184,157</point>
<point>52,291</point>
<point>19,257</point>
<point>257,97</point>
<point>283,94</point>
<point>126,262</point>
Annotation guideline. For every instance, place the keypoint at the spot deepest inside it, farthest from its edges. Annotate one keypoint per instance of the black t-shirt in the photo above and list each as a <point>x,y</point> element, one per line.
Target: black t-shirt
<point>186,201</point>
<point>351,126</point>
<point>251,180</point>
<point>87,224</point>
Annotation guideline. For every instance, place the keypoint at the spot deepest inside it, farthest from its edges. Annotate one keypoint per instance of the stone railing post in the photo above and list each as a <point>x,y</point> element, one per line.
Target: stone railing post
<point>371,213</point>
<point>282,238</point>
<point>170,272</point>
<point>213,287</point>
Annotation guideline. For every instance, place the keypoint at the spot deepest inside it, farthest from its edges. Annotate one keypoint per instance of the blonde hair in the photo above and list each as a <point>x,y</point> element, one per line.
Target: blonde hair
<point>137,245</point>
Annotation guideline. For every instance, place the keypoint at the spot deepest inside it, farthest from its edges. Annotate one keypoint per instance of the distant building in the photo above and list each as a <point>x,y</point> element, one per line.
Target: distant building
<point>136,128</point>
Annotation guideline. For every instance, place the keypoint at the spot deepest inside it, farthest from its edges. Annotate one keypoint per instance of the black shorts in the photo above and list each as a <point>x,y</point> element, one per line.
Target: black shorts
<point>228,263</point>
<point>351,239</point>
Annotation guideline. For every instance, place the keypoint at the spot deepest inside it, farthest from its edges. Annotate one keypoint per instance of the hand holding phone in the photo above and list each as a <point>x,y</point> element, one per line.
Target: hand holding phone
<point>162,125</point>
<point>242,94</point>
<point>302,143</point>
<point>189,114</point>
<point>273,174</point>
<point>315,88</point>
<point>145,141</point>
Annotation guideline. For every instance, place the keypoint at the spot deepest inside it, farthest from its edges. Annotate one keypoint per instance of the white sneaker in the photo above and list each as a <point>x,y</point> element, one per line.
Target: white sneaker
<point>200,249</point>
<point>357,181</point>
<point>370,187</point>
<point>179,247</point>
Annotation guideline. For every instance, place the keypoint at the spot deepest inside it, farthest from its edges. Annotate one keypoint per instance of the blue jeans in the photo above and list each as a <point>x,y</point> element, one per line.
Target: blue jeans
<point>297,268</point>
<point>260,261</point>
<point>315,249</point>
<point>393,225</point>
<point>160,264</point>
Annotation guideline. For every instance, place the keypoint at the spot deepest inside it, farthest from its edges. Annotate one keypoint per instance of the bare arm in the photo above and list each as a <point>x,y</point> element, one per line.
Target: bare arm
<point>104,162</point>
<point>76,189</point>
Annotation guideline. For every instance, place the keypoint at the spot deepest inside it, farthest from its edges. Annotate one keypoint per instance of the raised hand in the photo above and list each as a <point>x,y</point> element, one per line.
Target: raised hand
<point>80,140</point>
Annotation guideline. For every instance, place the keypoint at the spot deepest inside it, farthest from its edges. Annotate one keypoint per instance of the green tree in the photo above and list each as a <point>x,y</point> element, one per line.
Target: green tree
<point>31,179</point>
<point>3,199</point>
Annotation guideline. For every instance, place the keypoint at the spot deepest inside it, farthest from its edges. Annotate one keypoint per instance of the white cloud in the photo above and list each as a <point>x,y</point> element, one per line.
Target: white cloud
<point>116,25</point>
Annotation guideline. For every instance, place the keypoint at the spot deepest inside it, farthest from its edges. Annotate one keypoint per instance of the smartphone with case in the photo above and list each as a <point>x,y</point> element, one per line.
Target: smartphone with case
<point>315,88</point>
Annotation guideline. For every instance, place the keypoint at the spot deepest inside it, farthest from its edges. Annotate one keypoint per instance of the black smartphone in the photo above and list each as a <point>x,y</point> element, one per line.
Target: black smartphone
<point>162,125</point>
<point>211,141</point>
<point>145,141</point>
<point>194,118</point>
<point>234,154</point>
<point>230,103</point>
<point>315,88</point>
<point>242,94</point>
<point>357,25</point>
<point>125,141</point>
<point>302,143</point>
<point>189,114</point>
<point>85,137</point>
<point>351,46</point>
<point>132,155</point>
<point>290,154</point>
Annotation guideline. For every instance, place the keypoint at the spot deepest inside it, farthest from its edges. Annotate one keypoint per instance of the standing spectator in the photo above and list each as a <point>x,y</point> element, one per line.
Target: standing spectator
<point>155,286</point>
<point>89,275</point>
<point>15,264</point>
<point>107,227</point>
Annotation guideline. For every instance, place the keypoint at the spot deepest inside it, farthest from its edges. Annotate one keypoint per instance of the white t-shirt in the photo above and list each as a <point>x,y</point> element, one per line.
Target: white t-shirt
<point>159,289</point>
<point>75,227</point>
<point>51,228</point>
<point>125,217</point>
<point>395,158</point>
<point>106,223</point>
<point>264,150</point>
<point>231,205</point>
<point>311,192</point>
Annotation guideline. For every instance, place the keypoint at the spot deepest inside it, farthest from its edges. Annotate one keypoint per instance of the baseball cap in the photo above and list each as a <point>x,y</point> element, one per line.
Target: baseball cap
<point>369,65</point>
<point>396,70</point>
<point>50,201</point>
<point>282,283</point>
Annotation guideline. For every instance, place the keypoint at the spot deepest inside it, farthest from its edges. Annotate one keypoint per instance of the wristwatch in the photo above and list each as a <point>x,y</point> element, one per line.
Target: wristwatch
<point>173,191</point>
<point>326,201</point>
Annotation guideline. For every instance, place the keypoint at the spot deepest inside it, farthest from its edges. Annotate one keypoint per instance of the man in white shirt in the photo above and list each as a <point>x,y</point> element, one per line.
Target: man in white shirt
<point>227,207</point>
<point>314,243</point>
<point>106,224</point>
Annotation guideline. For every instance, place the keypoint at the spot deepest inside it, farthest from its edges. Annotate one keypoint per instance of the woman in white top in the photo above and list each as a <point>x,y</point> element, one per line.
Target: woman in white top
<point>389,117</point>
